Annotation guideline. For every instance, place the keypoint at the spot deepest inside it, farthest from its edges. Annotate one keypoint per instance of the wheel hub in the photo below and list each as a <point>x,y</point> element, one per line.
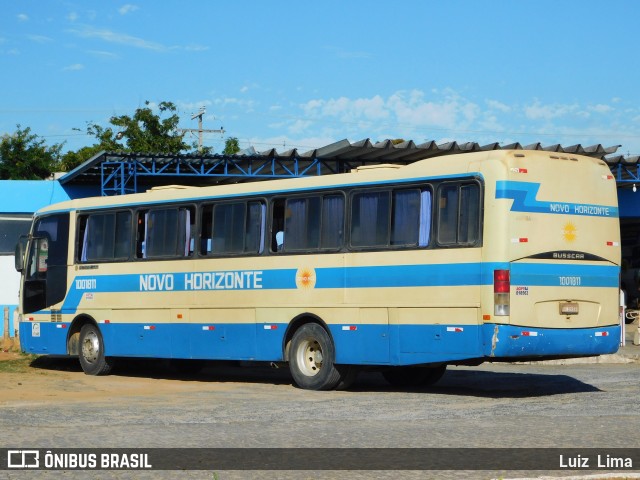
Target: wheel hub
<point>310,357</point>
<point>91,347</point>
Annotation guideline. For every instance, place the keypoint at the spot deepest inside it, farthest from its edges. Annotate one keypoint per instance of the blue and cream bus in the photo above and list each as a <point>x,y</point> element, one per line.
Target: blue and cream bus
<point>488,256</point>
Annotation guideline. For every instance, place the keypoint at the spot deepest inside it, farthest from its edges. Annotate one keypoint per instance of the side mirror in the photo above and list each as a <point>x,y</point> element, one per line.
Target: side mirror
<point>21,248</point>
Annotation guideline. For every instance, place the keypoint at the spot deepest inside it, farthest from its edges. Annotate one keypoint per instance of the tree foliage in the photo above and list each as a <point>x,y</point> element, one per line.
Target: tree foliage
<point>149,129</point>
<point>231,146</point>
<point>148,132</point>
<point>145,131</point>
<point>24,156</point>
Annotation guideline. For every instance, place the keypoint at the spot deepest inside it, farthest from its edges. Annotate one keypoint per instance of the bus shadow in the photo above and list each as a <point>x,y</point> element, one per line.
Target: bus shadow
<point>162,369</point>
<point>487,384</point>
<point>455,382</point>
<point>52,362</point>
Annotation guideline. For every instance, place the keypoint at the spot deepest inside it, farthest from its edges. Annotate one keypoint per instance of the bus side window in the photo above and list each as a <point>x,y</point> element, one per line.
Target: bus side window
<point>458,214</point>
<point>447,214</point>
<point>233,228</point>
<point>302,224</point>
<point>229,221</point>
<point>370,219</point>
<point>277,225</point>
<point>167,233</point>
<point>405,217</point>
<point>255,227</point>
<point>206,230</point>
<point>332,227</point>
<point>141,234</point>
<point>469,228</point>
<point>105,236</point>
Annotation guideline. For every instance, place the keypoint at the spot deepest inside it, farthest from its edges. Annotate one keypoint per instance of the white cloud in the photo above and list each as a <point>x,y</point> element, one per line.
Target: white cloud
<point>348,110</point>
<point>405,113</point>
<point>128,8</point>
<point>74,67</point>
<point>412,109</point>
<point>537,111</point>
<point>496,105</point>
<point>39,38</point>
<point>196,48</point>
<point>110,36</point>
<point>347,54</point>
<point>23,17</point>
<point>299,126</point>
<point>87,31</point>
<point>601,108</point>
<point>72,16</point>
<point>103,54</point>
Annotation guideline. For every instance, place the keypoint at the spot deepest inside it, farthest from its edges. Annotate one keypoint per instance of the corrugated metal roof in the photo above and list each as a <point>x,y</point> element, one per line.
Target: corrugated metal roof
<point>626,169</point>
<point>342,156</point>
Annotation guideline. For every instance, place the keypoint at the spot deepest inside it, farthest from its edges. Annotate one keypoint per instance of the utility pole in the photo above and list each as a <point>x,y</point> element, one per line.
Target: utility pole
<point>200,130</point>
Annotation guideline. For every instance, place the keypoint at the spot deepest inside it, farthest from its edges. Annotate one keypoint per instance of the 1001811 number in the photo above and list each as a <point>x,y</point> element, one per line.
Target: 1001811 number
<point>570,281</point>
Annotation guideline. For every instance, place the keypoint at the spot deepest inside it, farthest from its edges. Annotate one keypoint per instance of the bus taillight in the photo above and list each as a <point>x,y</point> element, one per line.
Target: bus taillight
<point>501,291</point>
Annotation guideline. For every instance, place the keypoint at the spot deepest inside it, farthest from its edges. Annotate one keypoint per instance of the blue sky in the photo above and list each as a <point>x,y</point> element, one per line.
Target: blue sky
<point>288,74</point>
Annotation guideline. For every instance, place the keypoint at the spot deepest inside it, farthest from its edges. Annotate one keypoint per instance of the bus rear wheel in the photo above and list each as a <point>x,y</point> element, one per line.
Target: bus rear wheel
<point>414,376</point>
<point>311,360</point>
<point>92,358</point>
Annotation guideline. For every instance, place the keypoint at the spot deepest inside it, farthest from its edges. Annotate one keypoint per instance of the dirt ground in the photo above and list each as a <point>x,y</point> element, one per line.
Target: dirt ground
<point>26,380</point>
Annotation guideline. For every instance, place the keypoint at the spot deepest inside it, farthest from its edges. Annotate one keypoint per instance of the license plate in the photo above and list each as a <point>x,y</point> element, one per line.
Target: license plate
<point>568,308</point>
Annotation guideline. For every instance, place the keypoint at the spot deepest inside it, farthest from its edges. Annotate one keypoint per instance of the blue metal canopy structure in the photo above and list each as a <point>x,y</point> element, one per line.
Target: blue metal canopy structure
<point>119,173</point>
<point>625,169</point>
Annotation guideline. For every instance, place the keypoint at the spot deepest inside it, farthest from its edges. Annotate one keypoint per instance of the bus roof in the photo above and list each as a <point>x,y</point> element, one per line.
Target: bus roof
<point>422,169</point>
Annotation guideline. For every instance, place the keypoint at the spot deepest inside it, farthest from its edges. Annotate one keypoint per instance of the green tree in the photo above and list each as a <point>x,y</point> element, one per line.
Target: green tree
<point>231,146</point>
<point>24,156</point>
<point>145,131</point>
<point>71,160</point>
<point>148,132</point>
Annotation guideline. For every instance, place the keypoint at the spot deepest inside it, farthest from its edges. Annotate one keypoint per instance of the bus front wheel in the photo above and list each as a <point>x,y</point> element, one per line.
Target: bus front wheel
<point>311,359</point>
<point>92,358</point>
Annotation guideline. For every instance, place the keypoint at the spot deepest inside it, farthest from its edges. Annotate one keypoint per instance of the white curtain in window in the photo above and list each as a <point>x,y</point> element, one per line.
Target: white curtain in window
<point>425,218</point>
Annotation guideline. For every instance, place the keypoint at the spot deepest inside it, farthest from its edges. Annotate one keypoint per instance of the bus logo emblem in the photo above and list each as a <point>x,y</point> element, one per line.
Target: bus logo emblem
<point>306,278</point>
<point>569,232</point>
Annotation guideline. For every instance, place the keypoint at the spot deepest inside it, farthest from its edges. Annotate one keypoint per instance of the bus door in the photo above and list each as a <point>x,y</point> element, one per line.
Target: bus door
<point>44,273</point>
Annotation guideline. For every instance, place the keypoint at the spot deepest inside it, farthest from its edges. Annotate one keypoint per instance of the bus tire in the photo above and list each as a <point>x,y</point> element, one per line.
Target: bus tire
<point>311,359</point>
<point>414,376</point>
<point>350,373</point>
<point>91,351</point>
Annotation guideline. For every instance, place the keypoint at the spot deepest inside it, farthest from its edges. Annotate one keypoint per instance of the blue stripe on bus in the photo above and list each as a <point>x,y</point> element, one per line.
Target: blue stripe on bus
<point>364,344</point>
<point>564,275</point>
<point>524,199</point>
<point>395,276</point>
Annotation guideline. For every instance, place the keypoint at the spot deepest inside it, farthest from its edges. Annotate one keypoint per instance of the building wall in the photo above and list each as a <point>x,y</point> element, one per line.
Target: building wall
<point>25,197</point>
<point>9,285</point>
